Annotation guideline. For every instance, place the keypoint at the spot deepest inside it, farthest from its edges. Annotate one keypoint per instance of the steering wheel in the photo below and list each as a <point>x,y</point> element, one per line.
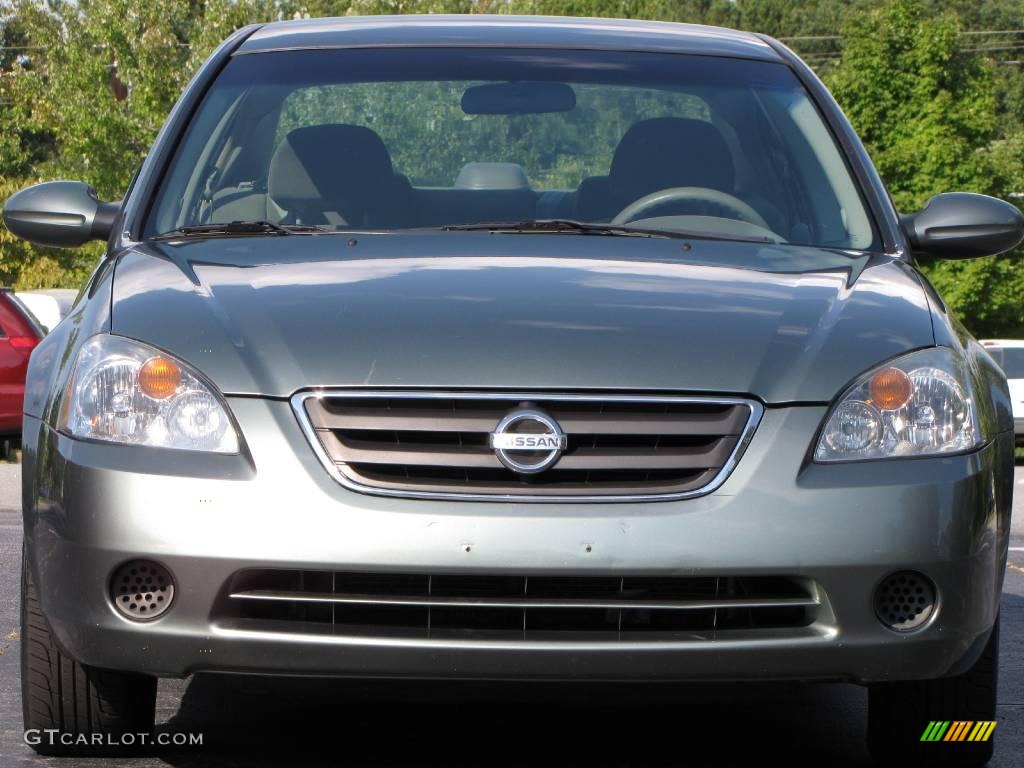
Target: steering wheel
<point>740,210</point>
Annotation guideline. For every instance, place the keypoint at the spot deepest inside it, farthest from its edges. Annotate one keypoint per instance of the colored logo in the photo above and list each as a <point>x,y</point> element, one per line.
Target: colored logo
<point>959,730</point>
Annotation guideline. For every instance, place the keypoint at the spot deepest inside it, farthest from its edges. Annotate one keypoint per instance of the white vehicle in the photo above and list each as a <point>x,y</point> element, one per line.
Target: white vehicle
<point>1009,353</point>
<point>49,305</point>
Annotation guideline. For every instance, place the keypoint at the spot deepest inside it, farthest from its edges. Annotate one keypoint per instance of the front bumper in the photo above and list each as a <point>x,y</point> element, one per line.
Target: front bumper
<point>91,507</point>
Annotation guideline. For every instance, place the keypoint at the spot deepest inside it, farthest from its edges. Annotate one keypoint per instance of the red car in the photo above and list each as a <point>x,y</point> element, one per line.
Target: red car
<point>19,335</point>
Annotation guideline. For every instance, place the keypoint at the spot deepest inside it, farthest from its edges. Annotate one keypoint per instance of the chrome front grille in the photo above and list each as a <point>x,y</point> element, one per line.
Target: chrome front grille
<point>619,448</point>
<point>508,607</point>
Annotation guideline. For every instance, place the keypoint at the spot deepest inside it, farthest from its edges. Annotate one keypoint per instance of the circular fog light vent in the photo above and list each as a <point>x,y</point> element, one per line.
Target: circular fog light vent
<point>904,601</point>
<point>142,590</point>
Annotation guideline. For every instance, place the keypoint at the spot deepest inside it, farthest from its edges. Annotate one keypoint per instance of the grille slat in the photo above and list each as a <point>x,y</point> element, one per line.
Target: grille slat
<point>554,483</point>
<point>618,448</point>
<point>647,458</point>
<point>346,416</point>
<point>520,607</point>
<point>484,602</point>
<point>395,453</point>
<point>363,452</point>
<point>357,416</point>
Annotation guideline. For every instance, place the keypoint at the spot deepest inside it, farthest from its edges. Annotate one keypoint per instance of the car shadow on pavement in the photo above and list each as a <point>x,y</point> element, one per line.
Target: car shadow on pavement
<point>253,721</point>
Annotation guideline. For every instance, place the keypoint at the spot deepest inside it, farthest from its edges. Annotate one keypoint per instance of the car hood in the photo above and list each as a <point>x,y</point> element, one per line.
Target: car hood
<point>273,315</point>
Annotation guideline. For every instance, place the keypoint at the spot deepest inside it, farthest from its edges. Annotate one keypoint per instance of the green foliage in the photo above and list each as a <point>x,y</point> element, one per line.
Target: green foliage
<point>111,71</point>
<point>782,19</point>
<point>215,20</point>
<point>925,110</point>
<point>928,114</point>
<point>719,12</point>
<point>987,291</point>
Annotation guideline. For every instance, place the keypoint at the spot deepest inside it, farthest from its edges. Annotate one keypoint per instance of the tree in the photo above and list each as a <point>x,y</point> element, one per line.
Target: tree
<point>784,19</point>
<point>24,146</point>
<point>111,71</point>
<point>926,111</point>
<point>102,76</point>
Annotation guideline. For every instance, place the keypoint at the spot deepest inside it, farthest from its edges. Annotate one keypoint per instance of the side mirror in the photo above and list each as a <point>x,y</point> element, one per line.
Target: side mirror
<point>63,214</point>
<point>962,225</point>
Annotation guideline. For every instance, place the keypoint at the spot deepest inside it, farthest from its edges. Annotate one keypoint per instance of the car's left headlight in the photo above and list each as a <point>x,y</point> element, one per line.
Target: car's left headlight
<point>921,404</point>
<point>122,391</point>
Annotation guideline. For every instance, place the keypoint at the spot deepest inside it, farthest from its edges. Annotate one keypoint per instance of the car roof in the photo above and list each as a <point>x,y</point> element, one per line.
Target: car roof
<point>1011,343</point>
<point>507,31</point>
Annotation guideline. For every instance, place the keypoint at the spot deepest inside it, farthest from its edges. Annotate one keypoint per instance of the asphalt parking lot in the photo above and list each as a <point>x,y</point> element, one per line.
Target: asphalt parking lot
<point>248,721</point>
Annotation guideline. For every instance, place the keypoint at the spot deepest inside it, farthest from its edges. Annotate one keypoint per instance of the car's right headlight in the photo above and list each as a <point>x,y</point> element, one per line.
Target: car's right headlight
<point>123,391</point>
<point>918,405</point>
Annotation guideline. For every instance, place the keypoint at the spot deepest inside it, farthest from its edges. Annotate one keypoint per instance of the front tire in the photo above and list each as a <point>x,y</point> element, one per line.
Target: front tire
<point>899,713</point>
<point>92,709</point>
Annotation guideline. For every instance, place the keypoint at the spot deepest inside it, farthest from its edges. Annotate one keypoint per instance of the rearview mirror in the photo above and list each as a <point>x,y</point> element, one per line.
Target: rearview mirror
<point>63,214</point>
<point>962,225</point>
<point>519,98</point>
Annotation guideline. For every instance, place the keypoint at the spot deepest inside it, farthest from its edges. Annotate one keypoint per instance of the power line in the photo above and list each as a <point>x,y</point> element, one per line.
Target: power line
<point>994,32</point>
<point>985,49</point>
<point>1016,47</point>
<point>986,42</point>
<point>972,32</point>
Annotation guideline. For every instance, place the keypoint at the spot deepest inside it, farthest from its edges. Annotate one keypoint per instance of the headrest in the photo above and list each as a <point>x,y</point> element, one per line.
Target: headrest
<point>670,152</point>
<point>492,176</point>
<point>328,167</point>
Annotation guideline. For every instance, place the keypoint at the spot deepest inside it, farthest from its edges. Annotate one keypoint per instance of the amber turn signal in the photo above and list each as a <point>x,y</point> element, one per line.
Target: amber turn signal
<point>890,389</point>
<point>159,377</point>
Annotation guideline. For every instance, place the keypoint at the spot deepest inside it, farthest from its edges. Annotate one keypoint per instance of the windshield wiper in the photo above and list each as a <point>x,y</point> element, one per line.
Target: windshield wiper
<point>587,228</point>
<point>231,228</point>
<point>553,225</point>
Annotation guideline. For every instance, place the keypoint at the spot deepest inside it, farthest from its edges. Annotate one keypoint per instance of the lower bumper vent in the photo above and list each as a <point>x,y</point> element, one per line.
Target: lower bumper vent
<point>497,607</point>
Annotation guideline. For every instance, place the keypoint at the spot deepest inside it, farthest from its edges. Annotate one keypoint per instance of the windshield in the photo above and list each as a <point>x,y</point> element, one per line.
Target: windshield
<point>342,140</point>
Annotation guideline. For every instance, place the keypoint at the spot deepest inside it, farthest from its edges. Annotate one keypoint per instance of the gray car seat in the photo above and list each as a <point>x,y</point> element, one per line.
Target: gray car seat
<point>339,175</point>
<point>657,154</point>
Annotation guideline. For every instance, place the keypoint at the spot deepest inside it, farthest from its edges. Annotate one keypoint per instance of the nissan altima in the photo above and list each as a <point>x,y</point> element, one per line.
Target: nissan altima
<point>513,349</point>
